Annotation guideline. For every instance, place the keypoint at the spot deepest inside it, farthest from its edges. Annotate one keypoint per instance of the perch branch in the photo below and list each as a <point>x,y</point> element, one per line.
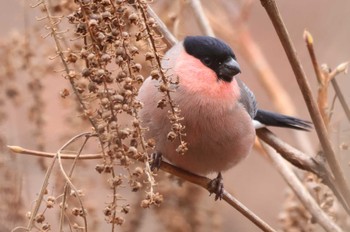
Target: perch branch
<point>190,177</point>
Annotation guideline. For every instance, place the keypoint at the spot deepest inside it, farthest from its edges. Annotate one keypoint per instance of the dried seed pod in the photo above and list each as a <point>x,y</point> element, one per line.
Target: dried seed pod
<point>133,18</point>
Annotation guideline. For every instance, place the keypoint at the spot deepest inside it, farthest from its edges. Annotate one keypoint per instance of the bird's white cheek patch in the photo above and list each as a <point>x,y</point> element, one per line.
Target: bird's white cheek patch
<point>199,79</point>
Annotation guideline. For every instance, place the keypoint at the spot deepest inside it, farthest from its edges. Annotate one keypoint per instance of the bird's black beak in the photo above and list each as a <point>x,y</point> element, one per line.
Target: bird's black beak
<point>229,69</point>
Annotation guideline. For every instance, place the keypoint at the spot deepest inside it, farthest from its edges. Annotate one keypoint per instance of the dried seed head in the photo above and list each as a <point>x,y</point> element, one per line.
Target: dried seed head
<point>163,88</point>
<point>99,168</point>
<point>125,161</point>
<point>82,85</point>
<point>107,211</point>
<point>132,151</point>
<point>72,58</point>
<point>75,211</point>
<point>176,127</point>
<point>64,93</point>
<point>138,172</point>
<point>85,72</point>
<point>149,56</point>
<point>45,227</point>
<point>92,87</point>
<point>155,74</point>
<point>133,18</point>
<point>135,186</point>
<point>137,67</point>
<point>124,133</point>
<point>151,143</point>
<point>72,74</point>
<point>50,202</point>
<point>40,218</point>
<point>93,23</point>
<point>171,136</point>
<point>158,198</point>
<point>125,35</point>
<point>115,181</point>
<point>133,50</point>
<point>139,78</point>
<point>100,36</point>
<point>182,148</point>
<point>125,209</point>
<point>106,15</point>
<point>161,103</point>
<point>145,203</point>
<point>108,168</point>
<point>118,221</point>
<point>106,58</point>
<point>136,122</point>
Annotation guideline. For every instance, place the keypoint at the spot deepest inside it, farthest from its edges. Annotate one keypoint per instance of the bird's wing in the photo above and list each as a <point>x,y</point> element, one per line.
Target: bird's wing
<point>266,118</point>
<point>247,99</point>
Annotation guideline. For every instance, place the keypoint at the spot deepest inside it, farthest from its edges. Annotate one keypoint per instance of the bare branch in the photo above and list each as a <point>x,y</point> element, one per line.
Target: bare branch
<point>273,12</point>
<point>193,178</point>
<point>299,189</point>
<point>201,17</point>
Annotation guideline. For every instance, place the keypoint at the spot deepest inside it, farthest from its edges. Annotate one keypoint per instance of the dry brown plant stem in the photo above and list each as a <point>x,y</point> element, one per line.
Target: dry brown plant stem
<point>341,98</point>
<point>201,18</point>
<point>169,38</point>
<point>302,161</point>
<point>299,189</point>
<point>39,200</point>
<point>272,10</point>
<point>323,80</point>
<point>193,178</point>
<point>68,183</point>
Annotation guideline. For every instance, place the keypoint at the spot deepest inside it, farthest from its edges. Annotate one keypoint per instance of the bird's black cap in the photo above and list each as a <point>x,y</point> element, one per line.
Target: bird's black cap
<point>215,54</point>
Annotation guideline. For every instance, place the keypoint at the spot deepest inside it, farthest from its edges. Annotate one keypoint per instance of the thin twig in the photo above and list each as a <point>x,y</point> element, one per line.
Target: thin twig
<point>294,156</point>
<point>193,178</point>
<point>20,150</point>
<point>65,189</point>
<point>301,192</point>
<point>322,79</point>
<point>201,18</point>
<point>341,98</point>
<point>46,182</point>
<point>272,11</point>
<point>169,38</point>
<point>302,161</point>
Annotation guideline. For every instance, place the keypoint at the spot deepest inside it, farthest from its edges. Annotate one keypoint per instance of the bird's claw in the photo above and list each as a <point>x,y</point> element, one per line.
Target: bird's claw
<point>217,186</point>
<point>156,161</point>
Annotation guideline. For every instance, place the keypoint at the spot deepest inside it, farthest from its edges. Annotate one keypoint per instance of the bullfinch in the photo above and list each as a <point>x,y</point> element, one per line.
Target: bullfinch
<point>219,110</point>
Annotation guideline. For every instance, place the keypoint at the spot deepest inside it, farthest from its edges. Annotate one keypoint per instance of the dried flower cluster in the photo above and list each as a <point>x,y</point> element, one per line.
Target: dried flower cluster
<point>103,67</point>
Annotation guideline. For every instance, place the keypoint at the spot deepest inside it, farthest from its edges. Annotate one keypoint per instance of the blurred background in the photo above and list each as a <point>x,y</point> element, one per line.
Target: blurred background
<point>34,115</point>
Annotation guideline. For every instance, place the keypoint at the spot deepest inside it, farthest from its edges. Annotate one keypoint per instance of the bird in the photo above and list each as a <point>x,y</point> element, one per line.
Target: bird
<point>219,111</point>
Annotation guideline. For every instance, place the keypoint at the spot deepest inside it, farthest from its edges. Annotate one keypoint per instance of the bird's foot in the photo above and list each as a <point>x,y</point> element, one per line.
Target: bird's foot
<point>156,161</point>
<point>217,186</point>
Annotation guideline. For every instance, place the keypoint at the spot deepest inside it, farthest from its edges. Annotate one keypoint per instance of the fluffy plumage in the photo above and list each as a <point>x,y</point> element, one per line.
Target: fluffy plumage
<point>218,108</point>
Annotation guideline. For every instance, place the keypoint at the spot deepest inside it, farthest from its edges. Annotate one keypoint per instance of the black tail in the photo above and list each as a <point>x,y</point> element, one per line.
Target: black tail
<point>274,119</point>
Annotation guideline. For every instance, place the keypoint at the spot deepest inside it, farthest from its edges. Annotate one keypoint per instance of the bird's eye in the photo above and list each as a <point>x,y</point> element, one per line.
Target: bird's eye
<point>207,61</point>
